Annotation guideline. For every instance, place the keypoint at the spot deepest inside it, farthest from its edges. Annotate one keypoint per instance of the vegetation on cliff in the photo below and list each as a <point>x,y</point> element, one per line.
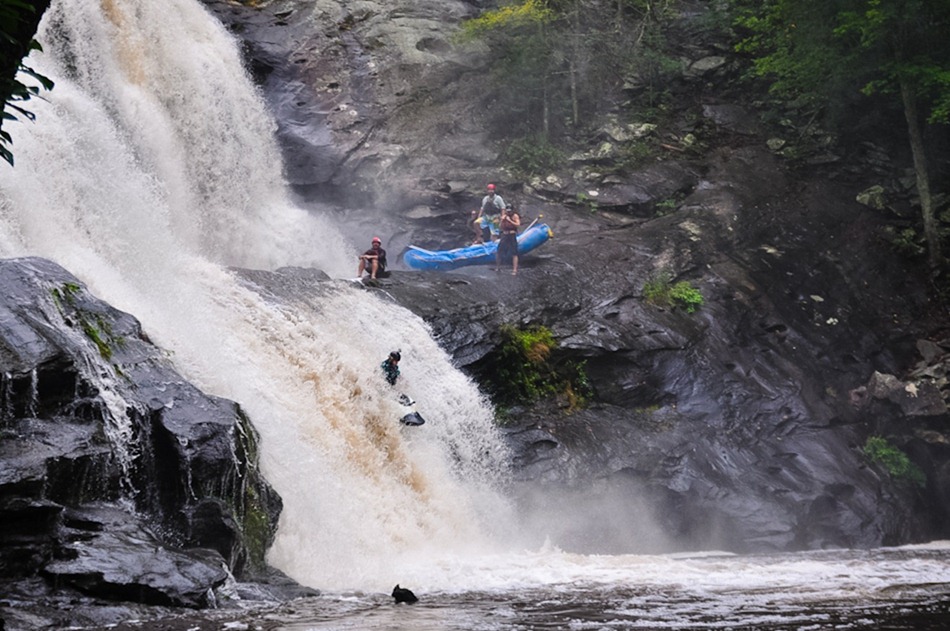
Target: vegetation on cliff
<point>894,460</point>
<point>859,69</point>
<point>829,52</point>
<point>567,55</point>
<point>526,368</point>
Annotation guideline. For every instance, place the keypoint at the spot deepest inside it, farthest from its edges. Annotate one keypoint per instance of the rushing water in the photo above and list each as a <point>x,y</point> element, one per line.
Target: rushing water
<point>151,168</point>
<point>898,588</point>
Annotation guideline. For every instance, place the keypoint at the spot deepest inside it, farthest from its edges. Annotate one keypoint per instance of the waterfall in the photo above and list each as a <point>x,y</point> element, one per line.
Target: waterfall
<point>150,170</point>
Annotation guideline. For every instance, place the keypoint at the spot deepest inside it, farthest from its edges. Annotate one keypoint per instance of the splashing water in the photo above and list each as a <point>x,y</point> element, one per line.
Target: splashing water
<point>151,167</point>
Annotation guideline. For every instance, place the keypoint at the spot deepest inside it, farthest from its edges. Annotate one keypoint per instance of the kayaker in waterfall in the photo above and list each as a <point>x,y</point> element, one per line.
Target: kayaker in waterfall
<point>492,206</point>
<point>508,242</point>
<point>390,367</point>
<point>373,260</point>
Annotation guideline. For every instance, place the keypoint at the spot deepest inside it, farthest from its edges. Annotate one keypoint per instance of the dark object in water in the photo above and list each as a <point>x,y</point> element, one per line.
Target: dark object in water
<point>411,417</point>
<point>404,595</point>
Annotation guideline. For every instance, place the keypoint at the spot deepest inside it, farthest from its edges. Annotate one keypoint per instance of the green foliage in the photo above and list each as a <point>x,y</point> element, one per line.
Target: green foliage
<point>906,39</point>
<point>686,296</point>
<point>251,508</point>
<point>522,50</point>
<point>828,50</point>
<point>661,291</point>
<point>552,61</point>
<point>656,290</point>
<point>894,460</point>
<point>97,329</point>
<point>533,155</point>
<point>524,369</point>
<point>99,332</point>
<point>588,202</point>
<point>65,295</point>
<point>527,13</point>
<point>905,241</point>
<point>17,23</point>
<point>791,44</point>
<point>666,206</point>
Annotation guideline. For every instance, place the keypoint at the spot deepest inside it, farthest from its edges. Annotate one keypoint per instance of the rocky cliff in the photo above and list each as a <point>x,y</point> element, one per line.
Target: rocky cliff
<point>119,479</point>
<point>743,424</point>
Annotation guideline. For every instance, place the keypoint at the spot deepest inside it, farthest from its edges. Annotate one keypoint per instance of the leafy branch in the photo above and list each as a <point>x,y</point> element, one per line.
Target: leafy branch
<point>18,21</point>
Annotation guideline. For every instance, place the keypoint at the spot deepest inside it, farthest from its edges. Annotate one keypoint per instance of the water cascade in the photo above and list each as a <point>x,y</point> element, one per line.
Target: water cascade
<point>150,173</point>
<point>152,168</point>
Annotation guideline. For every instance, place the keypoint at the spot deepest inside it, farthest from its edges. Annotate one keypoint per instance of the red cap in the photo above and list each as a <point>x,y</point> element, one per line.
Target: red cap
<point>491,187</point>
<point>377,240</point>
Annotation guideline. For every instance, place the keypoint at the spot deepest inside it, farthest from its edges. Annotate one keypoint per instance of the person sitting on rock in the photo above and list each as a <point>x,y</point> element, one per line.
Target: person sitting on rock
<point>373,260</point>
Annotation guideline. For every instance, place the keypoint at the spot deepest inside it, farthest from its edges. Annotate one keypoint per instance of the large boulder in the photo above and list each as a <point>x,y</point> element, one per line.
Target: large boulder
<point>120,478</point>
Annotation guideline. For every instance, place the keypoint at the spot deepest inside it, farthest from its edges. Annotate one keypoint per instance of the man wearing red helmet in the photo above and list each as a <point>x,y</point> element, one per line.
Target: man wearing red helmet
<point>373,260</point>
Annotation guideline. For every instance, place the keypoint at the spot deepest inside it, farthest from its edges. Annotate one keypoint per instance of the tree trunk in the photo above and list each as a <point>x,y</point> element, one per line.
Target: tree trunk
<point>545,117</point>
<point>931,233</point>
<point>575,108</point>
<point>572,66</point>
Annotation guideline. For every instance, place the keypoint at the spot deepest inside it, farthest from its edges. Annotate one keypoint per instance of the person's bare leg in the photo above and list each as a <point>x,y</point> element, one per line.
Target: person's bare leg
<point>375,267</point>
<point>514,265</point>
<point>362,267</point>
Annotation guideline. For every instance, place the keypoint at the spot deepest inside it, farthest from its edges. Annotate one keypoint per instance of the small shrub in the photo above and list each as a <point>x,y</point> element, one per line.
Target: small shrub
<point>894,460</point>
<point>662,292</point>
<point>656,290</point>
<point>666,206</point>
<point>906,241</point>
<point>686,296</point>
<point>584,199</point>
<point>523,369</point>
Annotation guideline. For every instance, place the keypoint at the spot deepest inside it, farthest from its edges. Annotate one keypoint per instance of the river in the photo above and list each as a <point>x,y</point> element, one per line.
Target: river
<point>888,588</point>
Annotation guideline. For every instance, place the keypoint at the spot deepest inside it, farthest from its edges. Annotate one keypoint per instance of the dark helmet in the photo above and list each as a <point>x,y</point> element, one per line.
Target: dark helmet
<point>396,355</point>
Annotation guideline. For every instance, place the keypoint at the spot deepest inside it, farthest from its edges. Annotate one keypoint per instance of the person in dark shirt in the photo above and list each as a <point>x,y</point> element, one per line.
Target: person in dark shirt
<point>373,260</point>
<point>508,243</point>
<point>390,367</point>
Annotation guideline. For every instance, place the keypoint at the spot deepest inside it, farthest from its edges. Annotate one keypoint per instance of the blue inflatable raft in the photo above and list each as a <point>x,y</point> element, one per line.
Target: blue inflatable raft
<point>481,254</point>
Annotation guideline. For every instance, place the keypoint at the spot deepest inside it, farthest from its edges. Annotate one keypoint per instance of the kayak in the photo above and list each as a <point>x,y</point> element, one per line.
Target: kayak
<point>479,254</point>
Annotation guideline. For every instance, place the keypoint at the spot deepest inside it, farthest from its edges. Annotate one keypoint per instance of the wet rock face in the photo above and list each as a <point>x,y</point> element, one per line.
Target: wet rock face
<point>332,72</point>
<point>733,426</point>
<point>119,478</point>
